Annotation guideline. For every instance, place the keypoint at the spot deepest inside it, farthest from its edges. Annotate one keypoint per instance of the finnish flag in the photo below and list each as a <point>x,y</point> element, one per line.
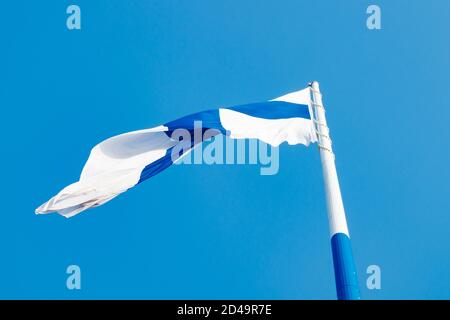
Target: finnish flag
<point>122,162</point>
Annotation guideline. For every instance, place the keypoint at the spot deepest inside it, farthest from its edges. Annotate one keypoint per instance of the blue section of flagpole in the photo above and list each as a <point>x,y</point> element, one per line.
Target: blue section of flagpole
<point>344,268</point>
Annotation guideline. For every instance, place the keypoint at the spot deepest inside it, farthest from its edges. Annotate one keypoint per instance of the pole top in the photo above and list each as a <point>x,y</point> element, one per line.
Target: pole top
<point>314,85</point>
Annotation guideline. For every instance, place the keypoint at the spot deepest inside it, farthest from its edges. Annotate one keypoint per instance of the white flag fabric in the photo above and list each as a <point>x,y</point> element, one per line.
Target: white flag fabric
<point>121,162</point>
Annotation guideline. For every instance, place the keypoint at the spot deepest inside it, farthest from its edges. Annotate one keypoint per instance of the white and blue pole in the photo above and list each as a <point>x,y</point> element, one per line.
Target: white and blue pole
<point>344,267</point>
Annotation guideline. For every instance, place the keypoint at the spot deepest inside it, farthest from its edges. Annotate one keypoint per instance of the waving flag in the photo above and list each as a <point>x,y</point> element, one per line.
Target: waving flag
<point>121,162</point>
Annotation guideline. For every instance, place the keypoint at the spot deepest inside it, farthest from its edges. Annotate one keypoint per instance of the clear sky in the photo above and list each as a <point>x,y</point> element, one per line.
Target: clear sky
<point>202,231</point>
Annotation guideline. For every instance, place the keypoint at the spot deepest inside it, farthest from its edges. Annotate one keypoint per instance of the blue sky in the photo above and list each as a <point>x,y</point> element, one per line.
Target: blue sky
<point>226,232</point>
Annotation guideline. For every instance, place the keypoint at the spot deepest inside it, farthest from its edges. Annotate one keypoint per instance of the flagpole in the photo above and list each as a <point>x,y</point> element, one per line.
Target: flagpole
<point>344,266</point>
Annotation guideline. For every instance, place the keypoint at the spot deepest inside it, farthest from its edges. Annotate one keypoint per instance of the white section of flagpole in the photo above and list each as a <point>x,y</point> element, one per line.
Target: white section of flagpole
<point>344,266</point>
<point>335,206</point>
